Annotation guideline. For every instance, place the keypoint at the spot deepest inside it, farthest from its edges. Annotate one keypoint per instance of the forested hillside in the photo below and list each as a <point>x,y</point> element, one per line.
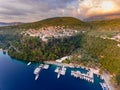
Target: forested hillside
<point>92,43</point>
<point>10,33</point>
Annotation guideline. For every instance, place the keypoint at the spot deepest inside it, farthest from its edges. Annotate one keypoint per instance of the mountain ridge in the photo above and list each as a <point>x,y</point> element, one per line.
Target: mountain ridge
<point>102,17</point>
<point>10,24</point>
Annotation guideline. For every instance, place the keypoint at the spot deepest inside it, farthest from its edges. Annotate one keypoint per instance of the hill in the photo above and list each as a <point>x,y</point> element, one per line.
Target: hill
<point>106,28</point>
<point>48,39</point>
<point>9,33</point>
<point>102,17</point>
<point>107,24</point>
<point>68,22</point>
<point>57,21</point>
<point>2,24</point>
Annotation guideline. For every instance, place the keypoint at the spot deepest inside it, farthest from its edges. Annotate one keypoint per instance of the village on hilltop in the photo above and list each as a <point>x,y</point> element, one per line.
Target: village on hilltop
<point>51,32</point>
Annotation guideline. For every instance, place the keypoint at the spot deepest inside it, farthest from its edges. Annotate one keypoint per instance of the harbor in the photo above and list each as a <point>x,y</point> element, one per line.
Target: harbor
<point>61,69</point>
<point>88,77</point>
<point>45,74</point>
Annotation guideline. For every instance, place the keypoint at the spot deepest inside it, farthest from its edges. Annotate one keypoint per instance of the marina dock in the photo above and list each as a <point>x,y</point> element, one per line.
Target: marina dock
<point>61,70</point>
<point>89,76</point>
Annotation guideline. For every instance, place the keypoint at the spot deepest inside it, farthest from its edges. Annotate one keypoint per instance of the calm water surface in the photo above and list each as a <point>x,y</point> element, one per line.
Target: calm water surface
<point>16,75</point>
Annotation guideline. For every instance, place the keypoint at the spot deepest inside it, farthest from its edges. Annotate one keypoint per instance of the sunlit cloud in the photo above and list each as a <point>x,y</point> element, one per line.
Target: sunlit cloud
<point>99,7</point>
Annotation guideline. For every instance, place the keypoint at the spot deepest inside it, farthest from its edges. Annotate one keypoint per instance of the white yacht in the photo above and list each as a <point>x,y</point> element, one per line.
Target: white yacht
<point>37,70</point>
<point>45,66</point>
<point>60,71</point>
<point>63,71</point>
<point>37,76</point>
<point>28,63</point>
<point>58,75</point>
<point>57,69</point>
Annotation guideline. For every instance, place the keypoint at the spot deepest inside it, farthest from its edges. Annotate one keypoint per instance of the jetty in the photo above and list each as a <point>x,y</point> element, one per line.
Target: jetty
<point>89,76</point>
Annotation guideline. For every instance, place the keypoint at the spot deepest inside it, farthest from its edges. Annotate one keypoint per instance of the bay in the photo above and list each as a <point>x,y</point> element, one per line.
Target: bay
<point>16,75</point>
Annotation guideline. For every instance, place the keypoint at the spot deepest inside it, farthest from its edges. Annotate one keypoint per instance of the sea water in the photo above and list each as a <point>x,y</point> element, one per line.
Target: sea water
<point>16,75</point>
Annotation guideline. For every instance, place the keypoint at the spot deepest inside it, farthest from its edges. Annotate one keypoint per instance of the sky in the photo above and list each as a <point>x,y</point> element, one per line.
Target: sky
<point>35,10</point>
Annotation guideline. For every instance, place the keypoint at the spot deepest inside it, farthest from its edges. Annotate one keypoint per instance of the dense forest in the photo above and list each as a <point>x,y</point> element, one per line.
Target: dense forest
<point>34,49</point>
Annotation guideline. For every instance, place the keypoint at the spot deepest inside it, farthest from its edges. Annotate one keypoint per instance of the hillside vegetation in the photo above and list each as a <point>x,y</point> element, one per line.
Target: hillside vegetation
<point>106,25</point>
<point>58,21</point>
<point>92,49</point>
<point>9,33</point>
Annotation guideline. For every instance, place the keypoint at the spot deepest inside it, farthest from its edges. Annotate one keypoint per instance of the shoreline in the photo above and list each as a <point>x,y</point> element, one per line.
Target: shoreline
<point>59,64</point>
<point>105,76</point>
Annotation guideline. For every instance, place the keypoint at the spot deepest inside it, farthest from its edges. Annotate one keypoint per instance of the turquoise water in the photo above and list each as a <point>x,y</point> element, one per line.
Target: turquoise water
<point>16,75</point>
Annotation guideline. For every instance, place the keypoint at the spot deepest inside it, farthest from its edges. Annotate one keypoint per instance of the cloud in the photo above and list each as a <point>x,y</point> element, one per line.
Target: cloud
<point>33,10</point>
<point>98,7</point>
